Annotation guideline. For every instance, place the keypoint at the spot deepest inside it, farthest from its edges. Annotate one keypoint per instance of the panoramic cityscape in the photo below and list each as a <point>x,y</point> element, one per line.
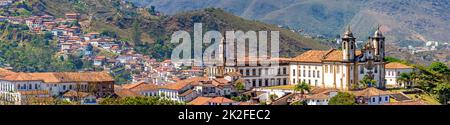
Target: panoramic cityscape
<point>127,52</point>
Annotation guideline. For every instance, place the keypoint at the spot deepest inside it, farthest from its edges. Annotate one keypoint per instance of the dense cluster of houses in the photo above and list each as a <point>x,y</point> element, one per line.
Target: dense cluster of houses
<point>187,90</point>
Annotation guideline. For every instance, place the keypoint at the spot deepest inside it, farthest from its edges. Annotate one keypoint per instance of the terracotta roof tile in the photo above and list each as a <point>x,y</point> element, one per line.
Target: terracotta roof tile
<point>310,56</point>
<point>200,101</point>
<point>221,100</point>
<point>369,92</point>
<point>34,92</point>
<point>407,103</point>
<point>396,65</point>
<point>59,77</point>
<point>183,83</point>
<point>315,56</point>
<point>145,87</point>
<point>126,93</point>
<point>133,85</point>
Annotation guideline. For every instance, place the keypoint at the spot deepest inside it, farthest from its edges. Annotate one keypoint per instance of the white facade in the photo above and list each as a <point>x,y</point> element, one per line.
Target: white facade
<point>393,74</point>
<point>377,100</point>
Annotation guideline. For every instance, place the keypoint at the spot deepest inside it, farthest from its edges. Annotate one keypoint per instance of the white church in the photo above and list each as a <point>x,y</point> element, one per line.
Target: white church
<point>341,69</point>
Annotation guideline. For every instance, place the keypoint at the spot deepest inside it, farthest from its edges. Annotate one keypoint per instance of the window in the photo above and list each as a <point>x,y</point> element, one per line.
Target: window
<point>259,72</point>
<point>293,72</point>
<point>318,74</point>
<point>361,69</point>
<point>29,86</point>
<point>254,72</point>
<point>299,73</point>
<point>247,72</point>
<point>386,99</point>
<point>326,68</point>
<point>376,69</point>
<point>260,82</point>
<point>284,71</point>
<point>373,99</point>
<point>304,73</point>
<point>309,73</point>
<point>293,81</point>
<point>314,74</point>
<point>379,99</point>
<point>64,87</point>
<point>241,71</point>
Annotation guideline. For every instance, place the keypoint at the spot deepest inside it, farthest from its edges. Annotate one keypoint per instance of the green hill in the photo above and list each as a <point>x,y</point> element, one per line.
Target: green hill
<point>145,31</point>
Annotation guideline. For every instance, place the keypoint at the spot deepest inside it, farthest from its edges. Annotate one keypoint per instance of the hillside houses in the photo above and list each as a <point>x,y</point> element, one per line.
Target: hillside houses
<point>185,90</point>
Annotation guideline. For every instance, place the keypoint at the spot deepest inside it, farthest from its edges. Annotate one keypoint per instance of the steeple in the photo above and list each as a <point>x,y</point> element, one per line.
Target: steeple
<point>378,43</point>
<point>348,45</point>
<point>348,33</point>
<point>378,32</point>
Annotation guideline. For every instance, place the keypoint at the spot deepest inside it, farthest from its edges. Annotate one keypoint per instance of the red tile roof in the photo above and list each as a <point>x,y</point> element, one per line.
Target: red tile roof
<point>315,56</point>
<point>396,65</point>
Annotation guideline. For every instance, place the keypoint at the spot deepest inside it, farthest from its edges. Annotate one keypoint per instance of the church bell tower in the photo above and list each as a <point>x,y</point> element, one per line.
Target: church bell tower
<point>348,46</point>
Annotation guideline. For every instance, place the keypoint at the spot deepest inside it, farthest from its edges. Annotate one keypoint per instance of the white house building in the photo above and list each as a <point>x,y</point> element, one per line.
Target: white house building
<point>341,69</point>
<point>372,96</point>
<point>320,96</point>
<point>393,71</point>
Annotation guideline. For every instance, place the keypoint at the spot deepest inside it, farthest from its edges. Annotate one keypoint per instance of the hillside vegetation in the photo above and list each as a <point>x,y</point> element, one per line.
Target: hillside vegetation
<point>151,35</point>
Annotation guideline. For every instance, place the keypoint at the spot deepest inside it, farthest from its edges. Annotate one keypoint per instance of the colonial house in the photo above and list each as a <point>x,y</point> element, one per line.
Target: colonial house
<point>255,75</point>
<point>215,87</point>
<point>320,96</point>
<point>393,71</point>
<point>99,84</point>
<point>181,90</point>
<point>144,88</point>
<point>81,97</point>
<point>372,96</point>
<point>341,69</point>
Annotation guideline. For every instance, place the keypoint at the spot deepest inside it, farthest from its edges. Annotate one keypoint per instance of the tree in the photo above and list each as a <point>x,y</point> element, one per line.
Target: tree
<point>343,98</point>
<point>442,90</point>
<point>440,68</point>
<point>240,86</point>
<point>302,87</point>
<point>367,82</point>
<point>404,78</point>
